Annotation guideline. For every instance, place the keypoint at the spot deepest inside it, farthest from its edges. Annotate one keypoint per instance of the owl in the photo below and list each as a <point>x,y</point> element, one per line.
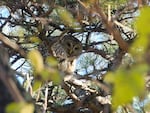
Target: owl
<point>66,50</point>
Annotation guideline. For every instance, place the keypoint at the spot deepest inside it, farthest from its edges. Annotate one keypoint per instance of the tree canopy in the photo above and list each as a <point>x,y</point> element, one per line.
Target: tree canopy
<point>111,75</point>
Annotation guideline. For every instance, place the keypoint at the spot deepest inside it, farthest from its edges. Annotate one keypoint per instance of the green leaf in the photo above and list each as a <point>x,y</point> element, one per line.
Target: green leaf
<point>141,42</point>
<point>67,18</point>
<point>139,47</point>
<point>27,108</point>
<point>51,74</point>
<point>13,108</point>
<point>56,78</point>
<point>127,84</point>
<point>51,61</point>
<point>143,21</point>
<point>37,84</point>
<point>34,39</point>
<point>20,108</point>
<point>36,60</point>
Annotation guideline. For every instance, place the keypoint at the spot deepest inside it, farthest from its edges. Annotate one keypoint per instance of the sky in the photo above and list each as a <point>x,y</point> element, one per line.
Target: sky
<point>4,12</point>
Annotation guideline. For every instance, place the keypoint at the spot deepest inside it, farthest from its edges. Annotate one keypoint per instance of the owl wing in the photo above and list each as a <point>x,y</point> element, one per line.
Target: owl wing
<point>44,49</point>
<point>58,51</point>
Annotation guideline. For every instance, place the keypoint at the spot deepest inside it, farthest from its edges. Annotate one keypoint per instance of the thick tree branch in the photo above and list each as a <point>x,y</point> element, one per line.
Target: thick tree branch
<point>6,76</point>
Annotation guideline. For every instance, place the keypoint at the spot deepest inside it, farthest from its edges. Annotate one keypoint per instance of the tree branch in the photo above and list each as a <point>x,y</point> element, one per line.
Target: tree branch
<point>12,45</point>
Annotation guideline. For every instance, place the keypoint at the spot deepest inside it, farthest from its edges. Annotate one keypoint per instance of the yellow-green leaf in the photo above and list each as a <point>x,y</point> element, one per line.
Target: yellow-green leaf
<point>143,21</point>
<point>36,60</point>
<point>20,108</point>
<point>141,42</point>
<point>56,78</point>
<point>67,18</point>
<point>27,108</point>
<point>13,108</point>
<point>127,84</point>
<point>51,74</point>
<point>45,74</point>
<point>37,84</point>
<point>34,39</point>
<point>51,61</point>
<point>139,47</point>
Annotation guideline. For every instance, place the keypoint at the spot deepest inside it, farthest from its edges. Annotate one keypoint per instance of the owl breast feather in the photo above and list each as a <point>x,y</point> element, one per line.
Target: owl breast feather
<point>58,51</point>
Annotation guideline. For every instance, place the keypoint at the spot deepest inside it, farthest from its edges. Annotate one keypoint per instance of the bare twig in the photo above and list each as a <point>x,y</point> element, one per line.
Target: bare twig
<point>123,26</point>
<point>73,81</point>
<point>12,45</point>
<point>45,100</point>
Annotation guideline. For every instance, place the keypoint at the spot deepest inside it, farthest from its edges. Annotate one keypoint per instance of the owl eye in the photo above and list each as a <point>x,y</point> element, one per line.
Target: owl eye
<point>76,48</point>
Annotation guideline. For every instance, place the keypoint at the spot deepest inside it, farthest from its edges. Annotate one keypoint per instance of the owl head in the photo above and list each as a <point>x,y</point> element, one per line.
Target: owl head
<point>72,46</point>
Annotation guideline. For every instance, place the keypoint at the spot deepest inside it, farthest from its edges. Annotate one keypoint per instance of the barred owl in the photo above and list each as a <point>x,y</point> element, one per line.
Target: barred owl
<point>66,50</point>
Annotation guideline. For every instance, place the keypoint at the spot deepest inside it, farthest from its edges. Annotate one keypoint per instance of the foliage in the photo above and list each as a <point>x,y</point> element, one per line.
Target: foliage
<point>36,60</point>
<point>67,18</point>
<point>20,108</point>
<point>130,81</point>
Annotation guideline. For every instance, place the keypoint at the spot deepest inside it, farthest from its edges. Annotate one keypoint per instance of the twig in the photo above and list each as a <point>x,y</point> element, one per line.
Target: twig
<point>73,81</point>
<point>96,51</point>
<point>72,95</point>
<point>109,12</point>
<point>12,45</point>
<point>45,100</point>
<point>123,26</point>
